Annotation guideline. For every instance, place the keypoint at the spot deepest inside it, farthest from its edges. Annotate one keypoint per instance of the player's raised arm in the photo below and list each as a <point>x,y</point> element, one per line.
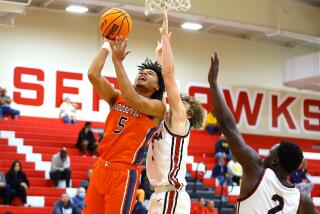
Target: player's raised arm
<point>244,154</point>
<point>177,109</point>
<point>159,52</point>
<point>100,84</point>
<point>151,107</point>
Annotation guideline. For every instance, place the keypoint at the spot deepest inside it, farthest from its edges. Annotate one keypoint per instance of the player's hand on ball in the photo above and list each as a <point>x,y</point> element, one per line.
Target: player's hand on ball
<point>118,47</point>
<point>214,69</point>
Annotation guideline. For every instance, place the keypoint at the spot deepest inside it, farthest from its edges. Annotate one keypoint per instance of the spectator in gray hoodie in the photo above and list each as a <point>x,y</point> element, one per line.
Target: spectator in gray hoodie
<point>60,167</point>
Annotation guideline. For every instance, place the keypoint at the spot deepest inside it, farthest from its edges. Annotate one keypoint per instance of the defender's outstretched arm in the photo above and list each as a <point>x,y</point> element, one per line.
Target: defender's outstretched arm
<point>177,110</point>
<point>244,154</point>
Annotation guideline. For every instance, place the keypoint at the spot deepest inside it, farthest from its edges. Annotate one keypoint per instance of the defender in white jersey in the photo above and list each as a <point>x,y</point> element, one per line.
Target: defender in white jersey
<point>167,153</point>
<point>265,188</point>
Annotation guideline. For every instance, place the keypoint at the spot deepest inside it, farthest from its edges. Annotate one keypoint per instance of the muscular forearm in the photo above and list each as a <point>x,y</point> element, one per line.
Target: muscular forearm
<point>158,57</point>
<point>167,57</point>
<point>221,110</point>
<point>125,85</point>
<point>98,63</point>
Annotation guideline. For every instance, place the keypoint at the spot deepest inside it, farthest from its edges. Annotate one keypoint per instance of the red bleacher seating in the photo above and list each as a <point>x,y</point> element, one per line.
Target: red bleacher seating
<point>47,137</point>
<point>202,147</point>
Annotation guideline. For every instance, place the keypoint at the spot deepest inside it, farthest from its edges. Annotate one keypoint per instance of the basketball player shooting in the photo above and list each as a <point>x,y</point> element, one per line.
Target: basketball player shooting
<point>264,188</point>
<point>135,112</point>
<point>167,153</point>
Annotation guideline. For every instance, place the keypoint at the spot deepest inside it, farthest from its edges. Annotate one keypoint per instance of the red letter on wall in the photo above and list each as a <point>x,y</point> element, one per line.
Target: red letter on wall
<point>19,84</point>
<point>202,90</point>
<point>311,115</point>
<point>61,89</point>
<point>244,103</point>
<point>282,109</point>
<point>97,97</point>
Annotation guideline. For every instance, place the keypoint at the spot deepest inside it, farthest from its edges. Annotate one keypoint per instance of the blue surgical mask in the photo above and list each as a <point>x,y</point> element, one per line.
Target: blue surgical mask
<point>82,194</point>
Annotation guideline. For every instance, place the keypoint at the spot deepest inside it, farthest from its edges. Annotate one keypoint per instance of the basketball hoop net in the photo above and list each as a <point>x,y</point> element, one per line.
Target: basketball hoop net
<point>156,6</point>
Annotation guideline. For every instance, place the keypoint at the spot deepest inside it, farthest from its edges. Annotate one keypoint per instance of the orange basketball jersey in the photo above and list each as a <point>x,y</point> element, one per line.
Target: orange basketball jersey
<point>126,133</point>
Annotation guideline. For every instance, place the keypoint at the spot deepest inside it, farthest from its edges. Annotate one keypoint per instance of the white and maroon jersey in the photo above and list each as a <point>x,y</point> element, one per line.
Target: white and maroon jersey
<point>167,158</point>
<point>270,197</point>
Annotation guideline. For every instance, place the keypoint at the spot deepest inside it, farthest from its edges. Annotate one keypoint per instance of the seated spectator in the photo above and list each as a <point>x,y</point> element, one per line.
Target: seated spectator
<point>60,168</point>
<point>18,181</point>
<point>300,180</point>
<point>78,200</point>
<point>145,185</point>
<point>86,140</point>
<point>211,124</point>
<point>139,208</point>
<point>1,101</point>
<point>5,191</point>
<point>211,207</point>
<point>1,114</point>
<point>68,111</point>
<point>235,171</point>
<point>222,147</point>
<point>85,183</point>
<point>5,105</point>
<point>140,197</point>
<point>220,171</point>
<point>200,170</point>
<point>200,208</point>
<point>64,206</point>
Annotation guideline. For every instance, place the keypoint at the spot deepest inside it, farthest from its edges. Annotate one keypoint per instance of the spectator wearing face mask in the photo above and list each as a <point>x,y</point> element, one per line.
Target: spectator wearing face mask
<point>78,200</point>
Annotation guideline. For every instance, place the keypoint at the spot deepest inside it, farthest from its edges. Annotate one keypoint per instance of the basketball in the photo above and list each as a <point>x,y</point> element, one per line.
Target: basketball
<point>115,22</point>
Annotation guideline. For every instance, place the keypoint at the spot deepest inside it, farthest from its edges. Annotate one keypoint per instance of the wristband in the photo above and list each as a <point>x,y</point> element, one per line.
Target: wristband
<point>106,45</point>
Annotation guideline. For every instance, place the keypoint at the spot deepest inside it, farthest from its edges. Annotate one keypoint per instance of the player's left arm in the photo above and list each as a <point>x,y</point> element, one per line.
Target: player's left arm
<point>151,107</point>
<point>159,53</point>
<point>244,154</point>
<point>307,206</point>
<point>177,110</point>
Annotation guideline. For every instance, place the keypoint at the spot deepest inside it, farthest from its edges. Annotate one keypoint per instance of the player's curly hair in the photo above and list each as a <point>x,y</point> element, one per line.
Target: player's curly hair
<point>195,111</point>
<point>156,67</point>
<point>290,156</point>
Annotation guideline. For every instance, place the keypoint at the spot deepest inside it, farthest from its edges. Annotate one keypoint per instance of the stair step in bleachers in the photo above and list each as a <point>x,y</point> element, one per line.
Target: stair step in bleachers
<point>51,201</point>
<point>50,143</point>
<point>12,156</point>
<point>45,191</point>
<point>27,210</point>
<point>54,150</point>
<point>6,164</point>
<point>31,173</point>
<point>47,136</point>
